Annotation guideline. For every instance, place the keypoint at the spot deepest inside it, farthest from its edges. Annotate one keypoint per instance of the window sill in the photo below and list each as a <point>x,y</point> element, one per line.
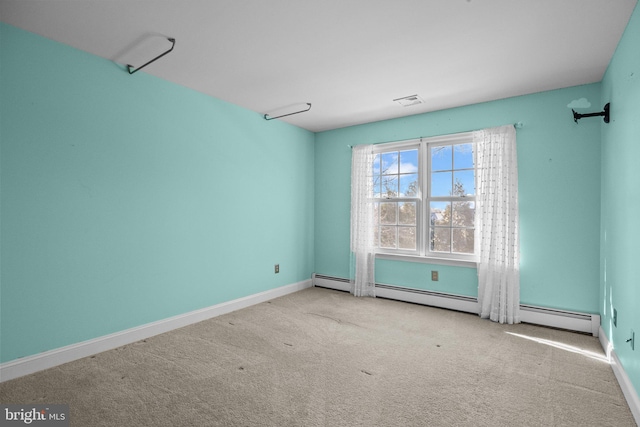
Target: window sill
<point>426,260</point>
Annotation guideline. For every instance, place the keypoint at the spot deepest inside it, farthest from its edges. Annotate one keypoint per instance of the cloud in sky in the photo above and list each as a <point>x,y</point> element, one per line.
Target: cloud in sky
<point>579,103</point>
<point>408,167</point>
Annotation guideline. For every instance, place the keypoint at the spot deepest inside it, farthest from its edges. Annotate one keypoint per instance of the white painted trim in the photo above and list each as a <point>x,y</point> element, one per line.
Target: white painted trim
<point>434,299</point>
<point>625,383</point>
<point>427,260</point>
<point>48,359</point>
<point>573,321</point>
<point>326,282</point>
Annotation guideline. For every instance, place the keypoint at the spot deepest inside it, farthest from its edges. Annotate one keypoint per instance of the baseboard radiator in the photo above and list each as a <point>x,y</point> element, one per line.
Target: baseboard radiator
<point>573,321</point>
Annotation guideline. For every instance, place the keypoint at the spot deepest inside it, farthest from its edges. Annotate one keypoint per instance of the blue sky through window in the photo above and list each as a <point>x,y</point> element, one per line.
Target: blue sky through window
<point>394,172</point>
<point>446,162</point>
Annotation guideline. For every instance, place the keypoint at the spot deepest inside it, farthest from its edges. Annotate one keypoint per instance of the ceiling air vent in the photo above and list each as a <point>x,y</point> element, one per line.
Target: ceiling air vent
<point>409,100</point>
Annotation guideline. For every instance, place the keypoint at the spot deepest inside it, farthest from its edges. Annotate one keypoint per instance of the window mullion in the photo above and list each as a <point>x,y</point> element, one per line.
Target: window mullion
<point>426,194</point>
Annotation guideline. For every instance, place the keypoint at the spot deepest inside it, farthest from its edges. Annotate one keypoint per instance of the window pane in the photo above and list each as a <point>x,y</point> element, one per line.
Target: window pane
<point>390,186</point>
<point>450,185</point>
<point>440,213</point>
<point>441,158</point>
<point>377,180</point>
<point>388,213</point>
<point>441,239</point>
<point>409,161</point>
<point>463,240</point>
<point>464,183</point>
<point>409,185</point>
<point>441,184</point>
<point>376,164</point>
<point>463,156</point>
<point>407,213</point>
<point>388,237</point>
<point>407,238</point>
<point>463,214</point>
<point>389,163</point>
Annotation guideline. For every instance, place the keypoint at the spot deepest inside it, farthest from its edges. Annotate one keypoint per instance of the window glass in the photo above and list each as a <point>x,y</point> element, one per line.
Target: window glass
<point>441,184</point>
<point>407,238</point>
<point>464,183</point>
<point>441,158</point>
<point>407,213</point>
<point>388,213</point>
<point>462,240</point>
<point>389,163</point>
<point>389,185</point>
<point>463,156</point>
<point>409,185</point>
<point>463,214</point>
<point>440,213</point>
<point>441,239</point>
<point>388,237</point>
<point>409,161</point>
<point>438,222</point>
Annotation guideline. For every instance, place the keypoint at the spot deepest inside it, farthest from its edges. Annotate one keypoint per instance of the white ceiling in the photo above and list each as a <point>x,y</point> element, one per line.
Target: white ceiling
<point>349,58</point>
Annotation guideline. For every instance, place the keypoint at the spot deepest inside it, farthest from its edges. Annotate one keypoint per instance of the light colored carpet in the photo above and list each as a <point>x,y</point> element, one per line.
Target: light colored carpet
<point>324,358</point>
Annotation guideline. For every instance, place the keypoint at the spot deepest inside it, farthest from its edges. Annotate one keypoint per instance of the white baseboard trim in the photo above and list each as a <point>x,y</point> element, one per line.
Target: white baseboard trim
<point>336,283</point>
<point>433,299</point>
<point>418,296</point>
<point>626,385</point>
<point>572,321</point>
<point>48,359</point>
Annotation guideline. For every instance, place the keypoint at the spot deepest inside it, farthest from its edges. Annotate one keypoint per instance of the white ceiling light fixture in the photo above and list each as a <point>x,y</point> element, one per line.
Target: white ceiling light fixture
<point>407,101</point>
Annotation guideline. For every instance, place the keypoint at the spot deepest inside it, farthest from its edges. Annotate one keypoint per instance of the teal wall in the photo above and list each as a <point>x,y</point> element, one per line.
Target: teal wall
<point>559,190</point>
<point>128,199</point>
<point>620,232</point>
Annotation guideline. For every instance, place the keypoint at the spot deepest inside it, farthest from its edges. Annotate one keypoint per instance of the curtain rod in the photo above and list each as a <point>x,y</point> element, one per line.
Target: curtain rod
<point>517,125</point>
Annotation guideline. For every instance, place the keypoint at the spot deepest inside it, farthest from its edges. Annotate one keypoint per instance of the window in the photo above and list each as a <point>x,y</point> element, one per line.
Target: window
<point>424,197</point>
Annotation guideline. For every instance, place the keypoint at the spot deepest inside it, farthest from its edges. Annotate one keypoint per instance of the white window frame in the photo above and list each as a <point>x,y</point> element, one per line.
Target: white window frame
<point>404,146</point>
<point>423,198</point>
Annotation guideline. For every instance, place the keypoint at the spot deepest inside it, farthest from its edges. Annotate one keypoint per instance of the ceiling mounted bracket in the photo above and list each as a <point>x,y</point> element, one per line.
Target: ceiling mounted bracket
<point>131,69</point>
<point>605,113</point>
<point>266,116</point>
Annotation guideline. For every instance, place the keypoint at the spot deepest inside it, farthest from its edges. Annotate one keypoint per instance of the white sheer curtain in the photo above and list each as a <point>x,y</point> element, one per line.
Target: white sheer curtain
<point>362,222</point>
<point>497,229</point>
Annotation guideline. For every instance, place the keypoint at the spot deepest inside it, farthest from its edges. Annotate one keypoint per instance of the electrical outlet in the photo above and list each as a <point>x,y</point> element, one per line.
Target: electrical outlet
<point>277,268</point>
<point>615,317</point>
<point>434,275</point>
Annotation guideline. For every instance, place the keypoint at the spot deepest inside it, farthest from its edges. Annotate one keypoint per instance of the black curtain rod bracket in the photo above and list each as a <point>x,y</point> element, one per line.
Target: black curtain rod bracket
<point>130,67</point>
<point>605,113</point>
<point>266,116</point>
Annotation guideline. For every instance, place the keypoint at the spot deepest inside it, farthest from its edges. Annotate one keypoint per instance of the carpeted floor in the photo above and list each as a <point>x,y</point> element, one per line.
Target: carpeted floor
<point>324,358</point>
